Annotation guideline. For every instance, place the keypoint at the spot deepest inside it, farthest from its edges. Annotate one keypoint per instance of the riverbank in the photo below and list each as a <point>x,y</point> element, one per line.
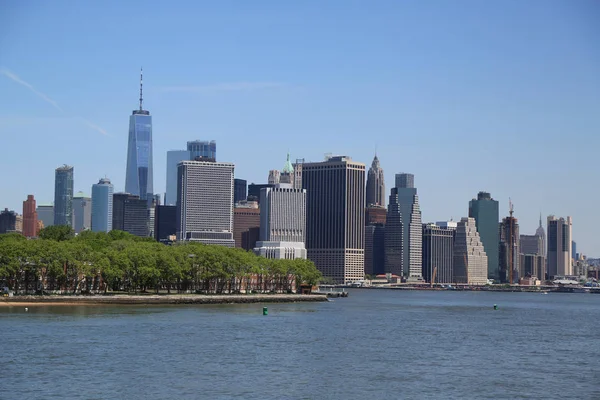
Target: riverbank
<point>31,301</point>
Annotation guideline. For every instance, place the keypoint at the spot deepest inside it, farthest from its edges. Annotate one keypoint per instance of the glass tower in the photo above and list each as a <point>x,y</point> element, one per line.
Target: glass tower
<point>102,206</point>
<point>204,149</point>
<point>485,211</point>
<point>63,196</point>
<point>139,177</point>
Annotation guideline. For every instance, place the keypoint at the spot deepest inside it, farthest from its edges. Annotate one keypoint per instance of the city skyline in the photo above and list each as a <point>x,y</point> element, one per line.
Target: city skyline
<point>435,104</point>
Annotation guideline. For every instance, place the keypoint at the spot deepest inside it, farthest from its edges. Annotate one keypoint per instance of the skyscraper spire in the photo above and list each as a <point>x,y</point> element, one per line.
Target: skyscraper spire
<point>141,98</point>
<point>540,219</point>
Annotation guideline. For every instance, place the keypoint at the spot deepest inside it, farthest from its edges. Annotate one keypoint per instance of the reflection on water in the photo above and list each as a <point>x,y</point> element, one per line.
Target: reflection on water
<point>373,344</point>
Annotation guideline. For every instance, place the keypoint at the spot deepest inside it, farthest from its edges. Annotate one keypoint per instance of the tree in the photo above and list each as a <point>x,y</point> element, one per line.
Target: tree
<point>58,233</point>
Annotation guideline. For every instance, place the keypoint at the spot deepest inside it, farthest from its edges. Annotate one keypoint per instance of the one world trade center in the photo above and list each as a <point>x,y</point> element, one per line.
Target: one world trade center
<point>138,178</point>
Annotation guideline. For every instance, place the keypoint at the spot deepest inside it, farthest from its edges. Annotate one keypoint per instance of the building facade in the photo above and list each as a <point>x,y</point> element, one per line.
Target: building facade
<point>165,223</point>
<point>202,149</point>
<point>297,166</point>
<point>374,249</point>
<point>130,214</point>
<point>239,190</point>
<point>470,260</point>
<point>375,185</point>
<point>174,157</point>
<point>509,251</point>
<point>205,202</point>
<point>246,224</point>
<point>438,253</point>
<point>559,246</point>
<point>282,222</point>
<point>542,234</point>
<point>45,214</point>
<point>531,244</point>
<point>102,206</point>
<point>8,221</point>
<point>335,217</point>
<point>139,179</point>
<point>30,218</point>
<point>533,265</point>
<point>274,176</point>
<point>393,238</point>
<point>375,215</point>
<point>82,212</point>
<point>486,213</point>
<point>412,239</point>
<point>63,196</point>
<point>254,190</point>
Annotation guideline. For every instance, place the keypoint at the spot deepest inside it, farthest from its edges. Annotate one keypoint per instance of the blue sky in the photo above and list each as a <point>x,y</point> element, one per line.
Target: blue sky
<point>467,95</point>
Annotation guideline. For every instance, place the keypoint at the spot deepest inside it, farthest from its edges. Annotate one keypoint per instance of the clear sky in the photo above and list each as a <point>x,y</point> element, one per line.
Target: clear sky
<point>467,95</point>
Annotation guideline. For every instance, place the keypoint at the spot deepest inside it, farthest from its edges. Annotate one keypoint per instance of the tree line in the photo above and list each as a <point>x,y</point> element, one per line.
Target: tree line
<point>98,262</point>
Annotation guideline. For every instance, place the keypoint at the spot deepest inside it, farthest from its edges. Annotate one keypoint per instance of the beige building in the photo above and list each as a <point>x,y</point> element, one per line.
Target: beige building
<point>470,260</point>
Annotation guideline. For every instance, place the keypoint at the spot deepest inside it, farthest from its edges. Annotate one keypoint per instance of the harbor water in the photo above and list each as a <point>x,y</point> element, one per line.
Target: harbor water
<point>375,344</point>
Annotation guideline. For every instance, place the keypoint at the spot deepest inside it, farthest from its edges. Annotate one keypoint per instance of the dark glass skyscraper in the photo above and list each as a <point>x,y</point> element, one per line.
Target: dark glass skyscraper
<point>486,214</point>
<point>63,196</point>
<point>139,177</point>
<point>239,190</point>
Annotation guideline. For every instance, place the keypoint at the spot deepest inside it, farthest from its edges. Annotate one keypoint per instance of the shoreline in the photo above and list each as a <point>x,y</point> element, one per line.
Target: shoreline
<point>31,301</point>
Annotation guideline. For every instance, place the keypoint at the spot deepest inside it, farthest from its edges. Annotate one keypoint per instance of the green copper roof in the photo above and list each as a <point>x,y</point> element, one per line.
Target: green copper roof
<point>288,168</point>
<point>80,194</point>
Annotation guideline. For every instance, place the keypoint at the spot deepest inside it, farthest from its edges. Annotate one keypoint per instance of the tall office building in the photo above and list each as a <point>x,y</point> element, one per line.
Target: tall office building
<point>130,214</point>
<point>274,176</point>
<point>139,176</point>
<point>533,265</point>
<point>30,218</point>
<point>486,213</point>
<point>246,224</point>
<point>297,166</point>
<point>282,222</point>
<point>165,223</point>
<point>63,196</point>
<point>438,252</point>
<point>102,206</point>
<point>8,221</point>
<point>412,234</point>
<point>574,250</point>
<point>82,212</point>
<point>205,202</point>
<point>254,190</point>
<point>510,253</point>
<point>375,185</point>
<point>287,173</point>
<point>335,217</point>
<point>374,249</point>
<point>239,190</point>
<point>542,234</point>
<point>394,232</point>
<point>531,244</point>
<point>204,149</point>
<point>174,157</point>
<point>45,214</point>
<point>470,259</point>
<point>559,246</point>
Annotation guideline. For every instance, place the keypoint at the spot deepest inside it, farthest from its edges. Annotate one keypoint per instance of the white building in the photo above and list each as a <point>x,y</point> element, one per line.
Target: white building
<point>205,202</point>
<point>470,260</point>
<point>282,222</point>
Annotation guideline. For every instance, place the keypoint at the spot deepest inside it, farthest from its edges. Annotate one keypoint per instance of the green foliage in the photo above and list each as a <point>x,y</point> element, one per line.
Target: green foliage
<point>98,262</point>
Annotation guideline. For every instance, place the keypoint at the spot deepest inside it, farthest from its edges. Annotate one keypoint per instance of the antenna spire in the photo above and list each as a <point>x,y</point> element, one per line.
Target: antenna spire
<point>141,84</point>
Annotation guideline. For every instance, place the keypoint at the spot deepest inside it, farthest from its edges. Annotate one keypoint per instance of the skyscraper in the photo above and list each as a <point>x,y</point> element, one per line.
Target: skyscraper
<point>559,246</point>
<point>509,251</point>
<point>102,206</point>
<point>298,173</point>
<point>82,212</point>
<point>30,218</point>
<point>246,224</point>
<point>287,173</point>
<point>174,157</point>
<point>374,249</point>
<point>470,260</point>
<point>335,217</point>
<point>139,176</point>
<point>412,234</point>
<point>239,190</point>
<point>205,202</point>
<point>375,185</point>
<point>574,250</point>
<point>45,214</point>
<point>486,213</point>
<point>165,223</point>
<point>274,176</point>
<point>63,196</point>
<point>8,221</point>
<point>204,149</point>
<point>130,214</point>
<point>542,234</point>
<point>394,232</point>
<point>438,252</point>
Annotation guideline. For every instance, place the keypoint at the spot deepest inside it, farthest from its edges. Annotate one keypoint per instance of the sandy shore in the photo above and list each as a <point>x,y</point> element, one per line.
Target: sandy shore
<point>32,301</point>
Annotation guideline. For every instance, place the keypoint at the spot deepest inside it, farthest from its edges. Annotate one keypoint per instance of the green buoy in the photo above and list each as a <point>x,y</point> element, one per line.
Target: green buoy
<point>265,311</point>
<point>495,307</point>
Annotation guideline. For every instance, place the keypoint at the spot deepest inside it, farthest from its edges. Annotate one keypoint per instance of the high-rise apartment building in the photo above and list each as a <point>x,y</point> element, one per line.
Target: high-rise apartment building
<point>239,190</point>
<point>206,150</point>
<point>335,217</point>
<point>282,222</point>
<point>205,202</point>
<point>139,177</point>
<point>82,212</point>
<point>375,185</point>
<point>30,218</point>
<point>412,234</point>
<point>174,157</point>
<point>102,206</point>
<point>438,252</point>
<point>130,214</point>
<point>63,196</point>
<point>394,232</point>
<point>8,221</point>
<point>45,214</point>
<point>510,253</point>
<point>486,213</point>
<point>470,259</point>
<point>374,249</point>
<point>559,246</point>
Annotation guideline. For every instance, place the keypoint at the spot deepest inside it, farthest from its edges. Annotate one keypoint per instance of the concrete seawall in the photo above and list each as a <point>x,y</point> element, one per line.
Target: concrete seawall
<point>156,299</point>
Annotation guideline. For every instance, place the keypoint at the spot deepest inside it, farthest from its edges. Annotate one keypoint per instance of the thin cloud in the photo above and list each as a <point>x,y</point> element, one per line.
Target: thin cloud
<point>15,78</point>
<point>225,87</point>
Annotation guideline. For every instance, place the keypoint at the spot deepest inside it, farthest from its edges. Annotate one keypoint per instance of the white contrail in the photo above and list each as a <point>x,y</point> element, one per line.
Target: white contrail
<point>15,78</point>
